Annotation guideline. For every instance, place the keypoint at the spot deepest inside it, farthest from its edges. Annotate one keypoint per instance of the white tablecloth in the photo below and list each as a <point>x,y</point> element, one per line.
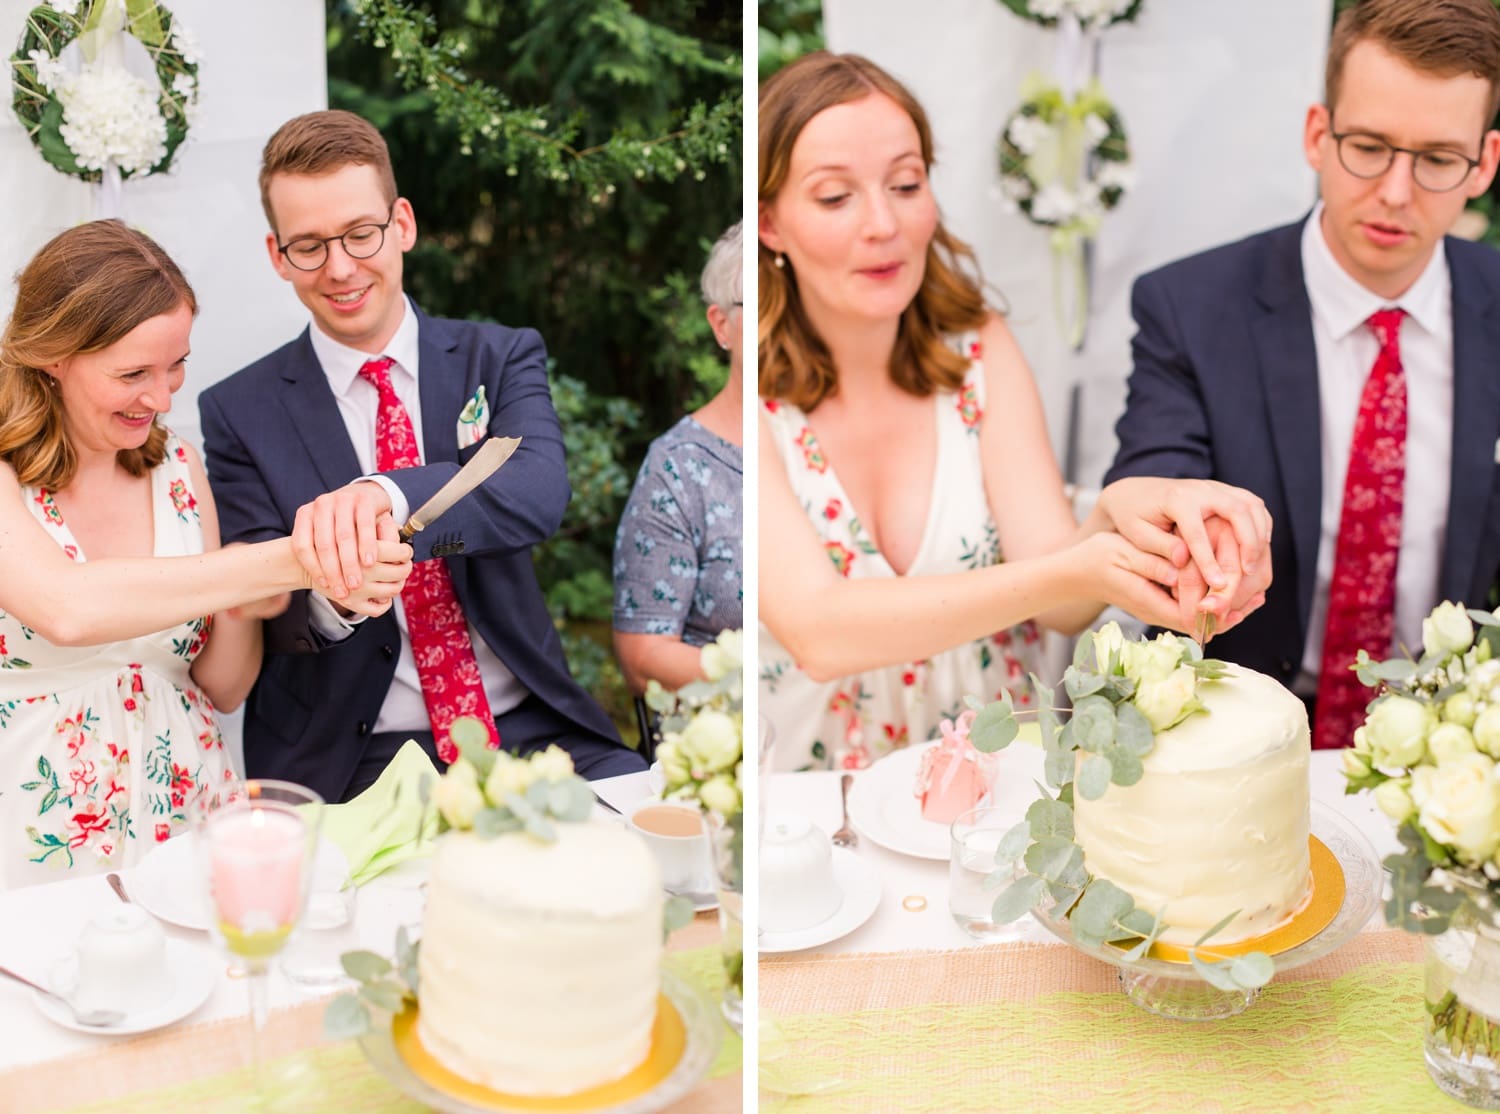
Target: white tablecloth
<point>39,924</point>
<point>894,928</point>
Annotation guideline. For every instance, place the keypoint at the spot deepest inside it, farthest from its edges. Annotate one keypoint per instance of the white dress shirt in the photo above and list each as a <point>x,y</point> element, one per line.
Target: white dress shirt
<point>359,403</point>
<point>1346,350</point>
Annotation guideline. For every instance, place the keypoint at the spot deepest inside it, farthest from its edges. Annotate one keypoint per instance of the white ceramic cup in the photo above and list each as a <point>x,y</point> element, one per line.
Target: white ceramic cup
<point>121,962</point>
<point>678,838</point>
<point>797,886</point>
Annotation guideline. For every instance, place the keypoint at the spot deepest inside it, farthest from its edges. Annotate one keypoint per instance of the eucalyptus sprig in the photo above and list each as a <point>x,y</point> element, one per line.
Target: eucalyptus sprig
<point>1122,693</point>
<point>383,985</point>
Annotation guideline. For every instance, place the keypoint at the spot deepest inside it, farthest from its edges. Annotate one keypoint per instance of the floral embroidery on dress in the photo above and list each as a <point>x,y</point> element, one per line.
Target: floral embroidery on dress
<point>841,556</point>
<point>48,504</point>
<point>7,661</point>
<point>199,629</point>
<point>812,452</point>
<point>183,500</point>
<point>969,410</point>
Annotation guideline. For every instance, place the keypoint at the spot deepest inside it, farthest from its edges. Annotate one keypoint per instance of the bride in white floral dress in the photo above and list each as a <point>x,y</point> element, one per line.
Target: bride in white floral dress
<point>898,462</point>
<point>116,634</point>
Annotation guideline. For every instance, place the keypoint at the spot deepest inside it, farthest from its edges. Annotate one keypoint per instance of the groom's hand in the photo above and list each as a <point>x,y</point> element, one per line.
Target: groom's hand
<point>1245,591</point>
<point>334,536</point>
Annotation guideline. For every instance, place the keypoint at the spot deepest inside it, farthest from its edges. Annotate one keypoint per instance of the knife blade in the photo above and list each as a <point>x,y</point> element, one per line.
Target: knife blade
<point>485,463</point>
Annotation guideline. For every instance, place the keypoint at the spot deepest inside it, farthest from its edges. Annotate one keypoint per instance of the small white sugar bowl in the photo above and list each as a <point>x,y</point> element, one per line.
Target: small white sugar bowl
<point>121,962</point>
<point>797,887</point>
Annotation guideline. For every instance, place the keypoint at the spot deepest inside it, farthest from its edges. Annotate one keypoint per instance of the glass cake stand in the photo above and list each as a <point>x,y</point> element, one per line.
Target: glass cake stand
<point>1173,989</point>
<point>671,1081</point>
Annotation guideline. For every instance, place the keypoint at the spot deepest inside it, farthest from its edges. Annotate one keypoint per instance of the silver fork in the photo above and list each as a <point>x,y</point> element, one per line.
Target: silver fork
<point>845,836</point>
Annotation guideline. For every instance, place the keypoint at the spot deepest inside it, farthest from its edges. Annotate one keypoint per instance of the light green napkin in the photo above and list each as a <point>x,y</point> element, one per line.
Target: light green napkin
<point>379,828</point>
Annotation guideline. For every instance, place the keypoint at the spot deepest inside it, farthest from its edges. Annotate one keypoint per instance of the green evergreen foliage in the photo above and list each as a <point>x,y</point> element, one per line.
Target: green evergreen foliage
<point>570,162</point>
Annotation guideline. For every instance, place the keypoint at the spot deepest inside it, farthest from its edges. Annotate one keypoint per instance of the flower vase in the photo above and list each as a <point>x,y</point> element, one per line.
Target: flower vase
<point>729,859</point>
<point>1462,990</point>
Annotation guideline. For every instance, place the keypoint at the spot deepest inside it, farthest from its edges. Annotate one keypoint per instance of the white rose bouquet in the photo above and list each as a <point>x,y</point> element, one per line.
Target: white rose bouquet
<point>703,731</point>
<point>1428,752</point>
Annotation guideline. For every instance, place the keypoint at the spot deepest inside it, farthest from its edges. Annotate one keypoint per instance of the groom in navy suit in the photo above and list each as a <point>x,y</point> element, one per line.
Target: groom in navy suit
<point>1276,363</point>
<point>377,405</point>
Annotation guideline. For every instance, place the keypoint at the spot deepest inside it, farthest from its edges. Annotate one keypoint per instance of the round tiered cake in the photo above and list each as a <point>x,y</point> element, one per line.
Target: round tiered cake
<point>540,961</point>
<point>1219,820</point>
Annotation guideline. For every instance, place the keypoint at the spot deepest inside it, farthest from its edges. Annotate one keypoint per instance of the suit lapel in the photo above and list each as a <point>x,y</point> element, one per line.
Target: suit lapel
<point>1287,362</point>
<point>440,382</point>
<point>1476,423</point>
<point>315,414</point>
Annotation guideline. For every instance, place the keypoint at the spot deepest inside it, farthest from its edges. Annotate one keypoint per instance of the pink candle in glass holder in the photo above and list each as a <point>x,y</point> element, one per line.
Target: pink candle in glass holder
<point>256,858</point>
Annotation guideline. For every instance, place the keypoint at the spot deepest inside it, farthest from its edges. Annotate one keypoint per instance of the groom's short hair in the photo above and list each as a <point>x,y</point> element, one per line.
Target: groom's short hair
<point>1447,38</point>
<point>320,143</point>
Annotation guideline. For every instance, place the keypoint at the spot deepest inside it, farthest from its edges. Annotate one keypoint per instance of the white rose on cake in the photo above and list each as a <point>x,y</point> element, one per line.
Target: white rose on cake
<point>458,796</point>
<point>1170,700</point>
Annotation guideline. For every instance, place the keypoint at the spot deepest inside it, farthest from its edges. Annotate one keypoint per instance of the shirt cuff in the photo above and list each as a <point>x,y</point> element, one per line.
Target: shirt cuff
<point>326,622</point>
<point>400,508</point>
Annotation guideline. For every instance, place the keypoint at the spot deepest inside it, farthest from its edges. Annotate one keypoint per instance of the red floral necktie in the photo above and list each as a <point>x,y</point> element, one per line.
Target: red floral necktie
<point>1362,594</point>
<point>451,684</point>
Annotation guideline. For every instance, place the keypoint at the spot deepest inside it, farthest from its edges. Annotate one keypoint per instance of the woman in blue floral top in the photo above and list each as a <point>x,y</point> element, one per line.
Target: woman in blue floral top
<point>116,638</point>
<point>679,569</point>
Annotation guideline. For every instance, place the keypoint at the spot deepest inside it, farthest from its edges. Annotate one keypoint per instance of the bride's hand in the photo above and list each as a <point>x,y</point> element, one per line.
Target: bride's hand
<point>1107,567</point>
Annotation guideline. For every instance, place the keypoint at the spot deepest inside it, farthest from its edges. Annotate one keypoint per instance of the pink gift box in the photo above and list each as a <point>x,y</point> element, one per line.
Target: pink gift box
<point>953,777</point>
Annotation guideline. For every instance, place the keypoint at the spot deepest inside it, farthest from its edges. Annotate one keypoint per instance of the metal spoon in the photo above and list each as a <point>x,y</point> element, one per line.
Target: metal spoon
<point>101,1019</point>
<point>118,886</point>
<point>845,836</point>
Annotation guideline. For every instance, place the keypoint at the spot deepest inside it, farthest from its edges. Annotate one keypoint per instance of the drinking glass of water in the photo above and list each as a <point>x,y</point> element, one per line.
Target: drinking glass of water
<point>971,861</point>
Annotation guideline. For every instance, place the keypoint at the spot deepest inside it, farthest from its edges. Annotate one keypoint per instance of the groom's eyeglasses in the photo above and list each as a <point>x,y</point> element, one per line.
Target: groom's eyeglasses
<point>1436,169</point>
<point>360,242</point>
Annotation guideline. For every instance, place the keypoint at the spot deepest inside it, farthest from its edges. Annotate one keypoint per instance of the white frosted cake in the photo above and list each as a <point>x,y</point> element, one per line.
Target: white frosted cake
<point>540,961</point>
<point>1219,821</point>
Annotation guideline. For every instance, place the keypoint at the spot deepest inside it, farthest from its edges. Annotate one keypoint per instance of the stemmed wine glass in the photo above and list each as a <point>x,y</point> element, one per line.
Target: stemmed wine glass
<point>256,850</point>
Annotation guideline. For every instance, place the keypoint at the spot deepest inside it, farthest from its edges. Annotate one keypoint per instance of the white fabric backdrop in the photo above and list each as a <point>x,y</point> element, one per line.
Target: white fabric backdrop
<point>1212,96</point>
<point>261,65</point>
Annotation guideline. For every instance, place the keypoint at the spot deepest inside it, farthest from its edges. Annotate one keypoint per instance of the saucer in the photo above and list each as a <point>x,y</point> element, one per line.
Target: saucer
<point>884,807</point>
<point>169,882</point>
<point>859,882</point>
<point>193,970</point>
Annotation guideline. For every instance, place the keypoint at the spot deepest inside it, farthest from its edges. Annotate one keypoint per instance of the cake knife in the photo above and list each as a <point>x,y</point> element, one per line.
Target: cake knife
<point>482,465</point>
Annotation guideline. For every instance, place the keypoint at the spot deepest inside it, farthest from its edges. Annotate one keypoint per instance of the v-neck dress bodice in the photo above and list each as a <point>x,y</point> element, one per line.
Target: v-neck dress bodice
<point>102,747</point>
<point>850,722</point>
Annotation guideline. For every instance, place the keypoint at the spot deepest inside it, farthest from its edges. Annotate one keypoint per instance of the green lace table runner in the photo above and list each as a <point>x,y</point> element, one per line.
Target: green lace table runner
<point>1042,1027</point>
<point>199,1069</point>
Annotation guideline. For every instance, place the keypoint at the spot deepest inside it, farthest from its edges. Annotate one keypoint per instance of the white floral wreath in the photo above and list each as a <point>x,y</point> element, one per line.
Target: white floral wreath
<point>1065,163</point>
<point>1091,14</point>
<point>102,115</point>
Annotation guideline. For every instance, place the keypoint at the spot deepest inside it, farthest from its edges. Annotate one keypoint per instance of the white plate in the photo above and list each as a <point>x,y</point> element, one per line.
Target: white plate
<point>885,808</point>
<point>194,970</point>
<point>859,882</point>
<point>169,881</point>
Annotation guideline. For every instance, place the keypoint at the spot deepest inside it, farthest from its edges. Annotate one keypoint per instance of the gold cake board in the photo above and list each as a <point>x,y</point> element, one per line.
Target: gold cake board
<point>668,1042</point>
<point>1316,914</point>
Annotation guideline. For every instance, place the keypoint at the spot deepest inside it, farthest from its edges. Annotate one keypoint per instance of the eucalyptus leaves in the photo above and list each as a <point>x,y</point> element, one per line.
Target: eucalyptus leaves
<point>389,987</point>
<point>1129,692</point>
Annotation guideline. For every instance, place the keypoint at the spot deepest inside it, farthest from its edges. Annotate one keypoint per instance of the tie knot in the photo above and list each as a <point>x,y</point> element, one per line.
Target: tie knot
<point>378,372</point>
<point>1386,325</point>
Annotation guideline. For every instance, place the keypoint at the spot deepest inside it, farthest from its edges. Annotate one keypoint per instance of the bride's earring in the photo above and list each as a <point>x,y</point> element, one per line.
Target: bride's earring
<point>780,261</point>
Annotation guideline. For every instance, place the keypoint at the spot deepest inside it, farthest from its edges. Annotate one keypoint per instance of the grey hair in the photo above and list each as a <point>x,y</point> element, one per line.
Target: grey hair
<point>723,280</point>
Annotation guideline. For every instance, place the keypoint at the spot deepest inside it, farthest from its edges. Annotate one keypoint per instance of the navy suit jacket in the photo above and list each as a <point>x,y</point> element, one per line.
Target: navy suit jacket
<point>274,440</point>
<point>1225,387</point>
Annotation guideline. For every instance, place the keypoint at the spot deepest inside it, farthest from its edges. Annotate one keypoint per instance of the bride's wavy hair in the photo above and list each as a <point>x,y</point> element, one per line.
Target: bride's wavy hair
<point>795,363</point>
<point>86,288</point>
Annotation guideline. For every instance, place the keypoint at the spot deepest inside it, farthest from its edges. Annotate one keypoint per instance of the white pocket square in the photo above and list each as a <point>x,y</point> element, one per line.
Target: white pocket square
<point>473,420</point>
